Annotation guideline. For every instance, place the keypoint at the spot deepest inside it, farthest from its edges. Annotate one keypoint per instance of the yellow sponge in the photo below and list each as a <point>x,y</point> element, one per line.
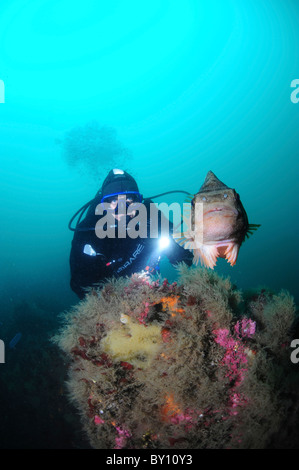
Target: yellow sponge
<point>134,343</point>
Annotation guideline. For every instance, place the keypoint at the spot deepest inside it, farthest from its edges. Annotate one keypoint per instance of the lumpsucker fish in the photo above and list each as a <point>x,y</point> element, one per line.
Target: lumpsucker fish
<point>217,224</point>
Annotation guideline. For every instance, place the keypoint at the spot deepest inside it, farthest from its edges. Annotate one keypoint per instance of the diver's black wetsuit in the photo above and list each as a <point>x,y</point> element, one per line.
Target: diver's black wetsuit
<point>115,256</point>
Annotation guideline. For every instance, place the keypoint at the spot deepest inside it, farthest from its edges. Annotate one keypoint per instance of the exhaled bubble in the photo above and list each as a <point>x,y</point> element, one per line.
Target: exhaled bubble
<point>93,148</point>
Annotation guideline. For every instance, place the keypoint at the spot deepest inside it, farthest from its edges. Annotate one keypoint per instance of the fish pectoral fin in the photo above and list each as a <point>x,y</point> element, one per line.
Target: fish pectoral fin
<point>180,240</point>
<point>251,229</point>
<point>231,253</point>
<point>189,198</point>
<point>186,220</point>
<point>177,237</point>
<point>184,240</point>
<point>207,254</point>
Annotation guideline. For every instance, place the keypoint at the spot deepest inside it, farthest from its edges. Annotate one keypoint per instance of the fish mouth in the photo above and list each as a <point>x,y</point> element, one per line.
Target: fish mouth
<point>228,210</point>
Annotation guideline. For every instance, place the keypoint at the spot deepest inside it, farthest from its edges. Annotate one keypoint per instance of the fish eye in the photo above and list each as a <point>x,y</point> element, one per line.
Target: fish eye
<point>225,195</point>
<point>204,198</point>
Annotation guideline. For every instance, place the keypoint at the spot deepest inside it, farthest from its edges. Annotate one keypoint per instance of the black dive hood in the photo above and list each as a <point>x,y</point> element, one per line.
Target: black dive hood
<point>118,182</point>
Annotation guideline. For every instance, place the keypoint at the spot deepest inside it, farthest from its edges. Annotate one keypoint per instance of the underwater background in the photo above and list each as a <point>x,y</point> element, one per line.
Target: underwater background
<point>166,90</point>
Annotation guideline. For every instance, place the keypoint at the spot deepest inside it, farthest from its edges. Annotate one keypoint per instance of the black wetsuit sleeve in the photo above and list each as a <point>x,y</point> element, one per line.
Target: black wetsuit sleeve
<point>86,270</point>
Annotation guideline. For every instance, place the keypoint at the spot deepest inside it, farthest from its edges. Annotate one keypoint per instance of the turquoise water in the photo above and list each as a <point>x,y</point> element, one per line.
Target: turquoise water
<point>177,89</point>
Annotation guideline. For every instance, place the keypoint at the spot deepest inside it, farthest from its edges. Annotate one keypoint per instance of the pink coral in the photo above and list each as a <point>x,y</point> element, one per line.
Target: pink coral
<point>245,328</point>
<point>98,420</point>
<point>121,439</point>
<point>235,357</point>
<point>144,313</point>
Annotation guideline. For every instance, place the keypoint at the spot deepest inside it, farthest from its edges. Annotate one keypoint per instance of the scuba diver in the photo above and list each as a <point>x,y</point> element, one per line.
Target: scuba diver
<point>95,256</point>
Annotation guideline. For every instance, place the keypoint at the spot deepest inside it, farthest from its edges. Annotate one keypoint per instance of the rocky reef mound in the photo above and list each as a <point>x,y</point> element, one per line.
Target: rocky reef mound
<point>193,364</point>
